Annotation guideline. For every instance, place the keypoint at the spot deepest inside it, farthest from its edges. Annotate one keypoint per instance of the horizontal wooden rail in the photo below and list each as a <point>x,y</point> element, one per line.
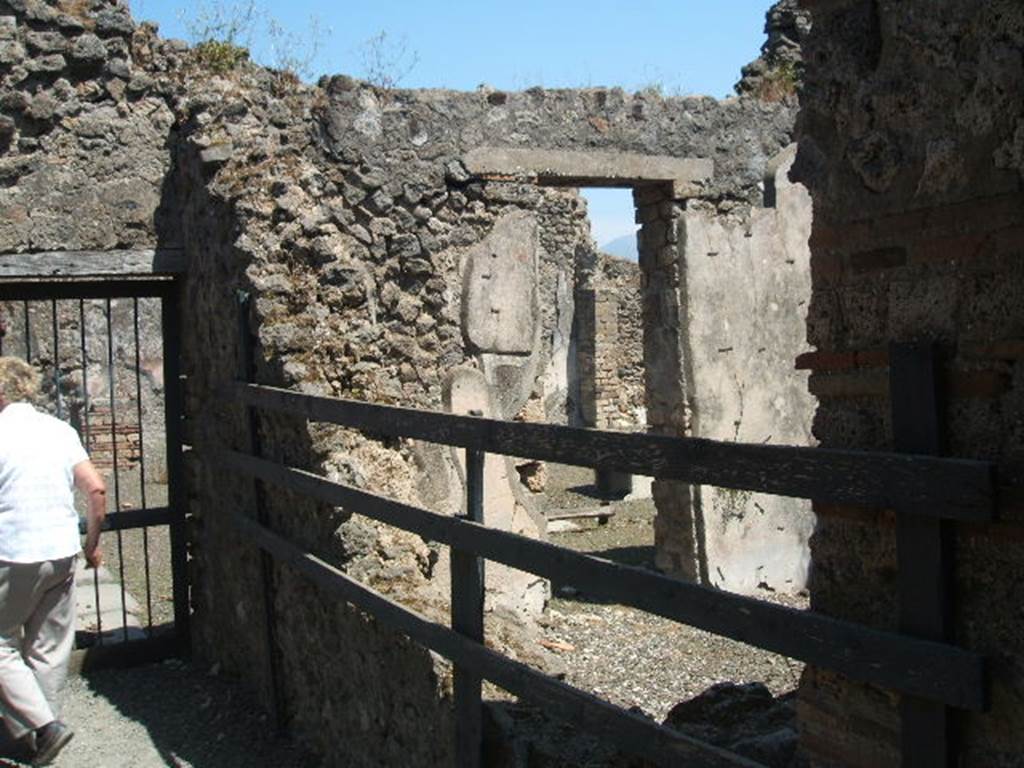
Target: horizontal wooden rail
<point>633,733</point>
<point>934,671</point>
<point>948,488</point>
<point>116,263</point>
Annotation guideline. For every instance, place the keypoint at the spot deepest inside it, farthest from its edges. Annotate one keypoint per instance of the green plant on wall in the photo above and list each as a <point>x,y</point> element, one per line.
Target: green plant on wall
<point>219,57</point>
<point>780,82</point>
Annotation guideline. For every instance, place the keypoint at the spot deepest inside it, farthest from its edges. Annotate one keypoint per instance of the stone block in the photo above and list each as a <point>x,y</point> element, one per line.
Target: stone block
<point>46,42</point>
<point>88,49</point>
<point>11,52</point>
<point>53,62</point>
<point>499,311</point>
<point>114,21</point>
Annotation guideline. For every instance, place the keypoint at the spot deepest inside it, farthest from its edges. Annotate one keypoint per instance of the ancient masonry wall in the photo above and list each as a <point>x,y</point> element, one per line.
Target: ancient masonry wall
<point>609,347</point>
<point>912,145</point>
<point>376,265</point>
<point>85,148</point>
<point>363,240</point>
<point>747,281</point>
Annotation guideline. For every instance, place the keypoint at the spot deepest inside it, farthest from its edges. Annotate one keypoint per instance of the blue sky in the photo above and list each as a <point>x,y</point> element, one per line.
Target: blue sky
<point>679,46</point>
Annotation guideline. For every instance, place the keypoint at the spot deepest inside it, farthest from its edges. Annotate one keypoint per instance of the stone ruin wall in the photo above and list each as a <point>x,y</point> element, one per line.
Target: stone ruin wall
<point>348,216</point>
<point>747,280</point>
<point>918,214</point>
<point>610,347</point>
<point>83,159</point>
<point>912,145</point>
<point>360,264</point>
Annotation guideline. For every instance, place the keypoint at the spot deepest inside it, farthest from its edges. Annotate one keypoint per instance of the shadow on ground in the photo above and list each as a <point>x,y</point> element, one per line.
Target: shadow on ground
<point>639,556</point>
<point>171,714</point>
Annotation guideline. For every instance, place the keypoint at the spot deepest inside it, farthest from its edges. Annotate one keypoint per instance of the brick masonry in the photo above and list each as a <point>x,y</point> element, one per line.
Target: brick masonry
<point>910,142</point>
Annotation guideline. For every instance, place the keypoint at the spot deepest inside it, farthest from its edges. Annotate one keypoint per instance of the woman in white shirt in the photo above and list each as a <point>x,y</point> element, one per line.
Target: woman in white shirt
<point>41,462</point>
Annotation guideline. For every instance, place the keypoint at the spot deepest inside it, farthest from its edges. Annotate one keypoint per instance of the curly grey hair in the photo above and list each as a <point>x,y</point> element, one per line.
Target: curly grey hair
<point>19,381</point>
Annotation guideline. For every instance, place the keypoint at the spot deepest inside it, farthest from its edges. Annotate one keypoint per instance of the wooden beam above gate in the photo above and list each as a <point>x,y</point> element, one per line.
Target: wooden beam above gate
<point>73,264</point>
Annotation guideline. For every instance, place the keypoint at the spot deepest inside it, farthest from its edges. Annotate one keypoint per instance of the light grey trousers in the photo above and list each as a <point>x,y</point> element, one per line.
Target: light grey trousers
<point>37,631</point>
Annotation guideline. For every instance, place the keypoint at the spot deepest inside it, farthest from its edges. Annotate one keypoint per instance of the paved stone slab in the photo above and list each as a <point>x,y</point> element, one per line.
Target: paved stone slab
<point>114,622</point>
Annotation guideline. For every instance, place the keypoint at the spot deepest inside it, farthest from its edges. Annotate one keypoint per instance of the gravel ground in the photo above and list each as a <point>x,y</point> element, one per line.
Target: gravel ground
<point>169,714</point>
<point>627,656</point>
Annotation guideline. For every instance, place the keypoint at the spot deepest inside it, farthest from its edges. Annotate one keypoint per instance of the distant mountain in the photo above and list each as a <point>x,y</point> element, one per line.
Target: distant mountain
<point>624,247</point>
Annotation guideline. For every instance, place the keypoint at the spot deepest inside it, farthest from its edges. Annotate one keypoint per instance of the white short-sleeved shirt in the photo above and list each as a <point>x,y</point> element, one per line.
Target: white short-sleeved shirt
<point>38,520</point>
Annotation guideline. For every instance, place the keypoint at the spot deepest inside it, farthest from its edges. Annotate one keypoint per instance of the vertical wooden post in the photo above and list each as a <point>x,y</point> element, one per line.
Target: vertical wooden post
<point>170,323</point>
<point>924,549</point>
<point>247,371</point>
<point>468,619</point>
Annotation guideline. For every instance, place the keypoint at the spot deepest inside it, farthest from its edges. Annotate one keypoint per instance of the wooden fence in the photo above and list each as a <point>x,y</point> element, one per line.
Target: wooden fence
<point>933,676</point>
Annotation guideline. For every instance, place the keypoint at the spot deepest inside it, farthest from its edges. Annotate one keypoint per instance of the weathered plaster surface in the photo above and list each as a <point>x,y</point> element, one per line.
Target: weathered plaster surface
<point>747,280</point>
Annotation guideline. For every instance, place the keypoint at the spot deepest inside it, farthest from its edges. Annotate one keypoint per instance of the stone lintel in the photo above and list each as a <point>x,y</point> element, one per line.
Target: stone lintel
<point>113,263</point>
<point>565,168</point>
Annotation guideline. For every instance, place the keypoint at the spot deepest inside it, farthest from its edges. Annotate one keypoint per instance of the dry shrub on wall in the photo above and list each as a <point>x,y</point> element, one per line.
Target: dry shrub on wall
<point>223,33</point>
<point>387,61</point>
<point>295,52</point>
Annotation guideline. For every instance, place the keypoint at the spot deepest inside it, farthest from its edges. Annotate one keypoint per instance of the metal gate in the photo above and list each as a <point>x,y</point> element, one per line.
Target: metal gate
<point>109,355</point>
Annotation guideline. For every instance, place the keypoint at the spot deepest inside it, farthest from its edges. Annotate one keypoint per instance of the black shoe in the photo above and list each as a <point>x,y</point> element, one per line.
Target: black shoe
<point>21,750</point>
<point>50,740</point>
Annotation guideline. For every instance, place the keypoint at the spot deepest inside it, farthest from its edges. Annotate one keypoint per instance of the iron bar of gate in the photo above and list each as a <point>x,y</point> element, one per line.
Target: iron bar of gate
<point>103,288</point>
<point>170,324</point>
<point>142,462</point>
<point>112,384</point>
<point>467,607</point>
<point>924,550</point>
<point>85,421</point>
<point>56,361</point>
<point>247,364</point>
<point>28,335</point>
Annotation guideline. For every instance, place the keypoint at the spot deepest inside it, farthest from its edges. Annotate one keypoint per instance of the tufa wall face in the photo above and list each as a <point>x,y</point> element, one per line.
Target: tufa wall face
<point>86,129</point>
<point>713,274</point>
<point>911,145</point>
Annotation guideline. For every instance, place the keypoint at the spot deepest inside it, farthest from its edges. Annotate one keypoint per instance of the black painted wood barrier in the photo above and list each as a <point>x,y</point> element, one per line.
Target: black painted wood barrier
<point>924,491</point>
<point>949,488</point>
